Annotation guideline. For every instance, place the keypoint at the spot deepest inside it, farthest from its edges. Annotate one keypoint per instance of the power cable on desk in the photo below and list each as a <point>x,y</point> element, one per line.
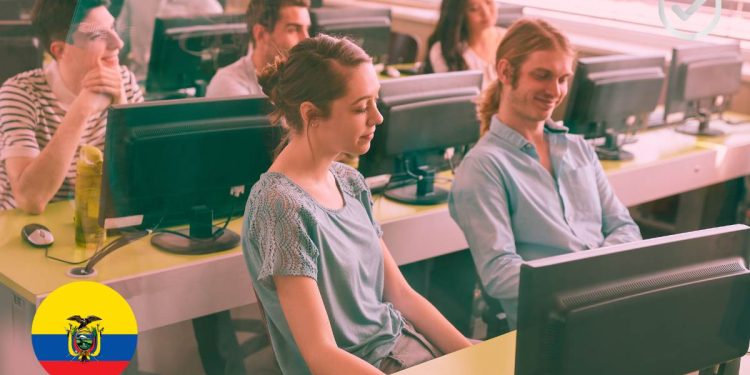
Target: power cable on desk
<point>129,236</point>
<point>98,255</point>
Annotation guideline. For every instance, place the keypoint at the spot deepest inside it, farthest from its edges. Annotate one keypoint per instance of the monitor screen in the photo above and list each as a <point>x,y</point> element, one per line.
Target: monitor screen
<point>18,39</point>
<point>14,10</point>
<point>422,116</point>
<point>186,52</point>
<point>611,95</point>
<point>164,159</point>
<point>697,75</point>
<point>668,305</point>
<point>369,28</point>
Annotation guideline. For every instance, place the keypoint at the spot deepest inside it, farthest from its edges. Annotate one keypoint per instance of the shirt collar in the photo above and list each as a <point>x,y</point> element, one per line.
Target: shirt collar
<point>506,133</point>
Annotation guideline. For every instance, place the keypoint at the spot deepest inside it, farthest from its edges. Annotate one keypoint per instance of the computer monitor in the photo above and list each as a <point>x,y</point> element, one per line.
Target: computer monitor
<point>18,39</point>
<point>668,305</point>
<point>369,28</point>
<point>186,52</point>
<point>611,95</point>
<point>15,10</point>
<point>175,161</point>
<point>507,14</point>
<point>701,81</point>
<point>422,115</point>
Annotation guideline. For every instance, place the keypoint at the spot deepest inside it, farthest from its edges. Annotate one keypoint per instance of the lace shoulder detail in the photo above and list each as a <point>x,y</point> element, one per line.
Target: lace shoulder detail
<point>279,224</point>
<point>351,180</point>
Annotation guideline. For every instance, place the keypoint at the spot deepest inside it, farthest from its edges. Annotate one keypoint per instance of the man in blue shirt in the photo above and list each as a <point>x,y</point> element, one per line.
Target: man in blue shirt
<point>528,189</point>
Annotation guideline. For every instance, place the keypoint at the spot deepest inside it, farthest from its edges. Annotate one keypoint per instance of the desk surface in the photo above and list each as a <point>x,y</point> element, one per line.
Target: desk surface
<point>493,357</point>
<point>666,163</point>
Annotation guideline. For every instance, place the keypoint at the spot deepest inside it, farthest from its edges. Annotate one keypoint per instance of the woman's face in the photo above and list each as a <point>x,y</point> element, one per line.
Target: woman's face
<point>350,127</point>
<point>480,15</point>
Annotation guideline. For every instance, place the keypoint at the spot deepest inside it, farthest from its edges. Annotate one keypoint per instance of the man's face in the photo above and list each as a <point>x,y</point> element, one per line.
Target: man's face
<point>94,42</point>
<point>541,86</point>
<point>292,27</point>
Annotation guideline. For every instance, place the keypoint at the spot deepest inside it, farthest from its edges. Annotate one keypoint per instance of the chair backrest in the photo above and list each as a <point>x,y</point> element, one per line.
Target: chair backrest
<point>402,49</point>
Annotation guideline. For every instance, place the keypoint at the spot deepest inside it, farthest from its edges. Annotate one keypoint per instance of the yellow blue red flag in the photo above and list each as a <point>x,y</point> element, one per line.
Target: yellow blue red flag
<point>84,328</point>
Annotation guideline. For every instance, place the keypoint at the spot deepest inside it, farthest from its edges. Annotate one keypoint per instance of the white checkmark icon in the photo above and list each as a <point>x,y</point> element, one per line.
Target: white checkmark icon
<point>685,14</point>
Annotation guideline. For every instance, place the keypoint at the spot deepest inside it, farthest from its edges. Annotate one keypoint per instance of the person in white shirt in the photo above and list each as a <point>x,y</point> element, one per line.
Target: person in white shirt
<point>275,27</point>
<point>465,38</point>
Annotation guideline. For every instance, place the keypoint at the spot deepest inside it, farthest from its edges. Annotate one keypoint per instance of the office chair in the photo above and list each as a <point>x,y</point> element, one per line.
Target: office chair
<point>490,311</point>
<point>402,49</point>
<point>263,338</point>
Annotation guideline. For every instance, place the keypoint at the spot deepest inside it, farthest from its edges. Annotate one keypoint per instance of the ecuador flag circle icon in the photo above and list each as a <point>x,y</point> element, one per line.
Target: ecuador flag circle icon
<point>82,328</point>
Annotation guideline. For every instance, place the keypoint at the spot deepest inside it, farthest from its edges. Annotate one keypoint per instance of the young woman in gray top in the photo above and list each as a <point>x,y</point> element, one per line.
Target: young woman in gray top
<point>335,300</point>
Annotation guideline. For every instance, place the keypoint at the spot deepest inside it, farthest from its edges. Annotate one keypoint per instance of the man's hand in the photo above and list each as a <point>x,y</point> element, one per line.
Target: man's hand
<point>102,87</point>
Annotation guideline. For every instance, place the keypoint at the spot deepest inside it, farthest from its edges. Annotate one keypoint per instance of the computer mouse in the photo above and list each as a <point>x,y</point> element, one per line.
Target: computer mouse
<point>37,235</point>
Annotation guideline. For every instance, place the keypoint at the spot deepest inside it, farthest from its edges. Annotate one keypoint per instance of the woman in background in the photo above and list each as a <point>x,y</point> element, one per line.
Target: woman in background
<point>335,301</point>
<point>465,39</point>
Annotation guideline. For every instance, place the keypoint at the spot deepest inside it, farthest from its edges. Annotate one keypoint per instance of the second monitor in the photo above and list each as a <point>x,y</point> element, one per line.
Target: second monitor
<point>611,95</point>
<point>186,52</point>
<point>422,115</point>
<point>369,28</point>
<point>701,81</point>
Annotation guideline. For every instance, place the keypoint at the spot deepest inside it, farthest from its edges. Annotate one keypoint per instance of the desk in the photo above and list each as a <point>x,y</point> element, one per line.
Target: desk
<point>161,288</point>
<point>197,285</point>
<point>493,357</point>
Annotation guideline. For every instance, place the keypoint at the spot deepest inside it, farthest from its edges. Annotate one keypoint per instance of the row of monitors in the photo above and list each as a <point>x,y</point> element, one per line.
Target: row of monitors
<point>186,52</point>
<point>662,306</point>
<point>612,94</point>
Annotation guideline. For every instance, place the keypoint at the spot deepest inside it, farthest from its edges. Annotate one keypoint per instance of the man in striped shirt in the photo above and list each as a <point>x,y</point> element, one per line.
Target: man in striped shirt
<point>46,114</point>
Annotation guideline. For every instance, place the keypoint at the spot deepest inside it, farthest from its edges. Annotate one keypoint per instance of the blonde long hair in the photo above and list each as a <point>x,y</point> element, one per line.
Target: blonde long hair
<point>524,37</point>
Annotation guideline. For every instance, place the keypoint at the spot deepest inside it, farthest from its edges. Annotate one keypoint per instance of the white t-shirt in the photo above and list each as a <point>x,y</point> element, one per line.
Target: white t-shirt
<point>473,62</point>
<point>236,79</point>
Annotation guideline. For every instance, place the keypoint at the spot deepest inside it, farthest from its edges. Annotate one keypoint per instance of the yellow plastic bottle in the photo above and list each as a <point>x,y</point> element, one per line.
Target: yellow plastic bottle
<point>88,188</point>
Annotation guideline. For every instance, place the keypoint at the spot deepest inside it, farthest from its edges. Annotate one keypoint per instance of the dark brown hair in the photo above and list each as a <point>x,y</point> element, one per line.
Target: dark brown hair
<point>452,32</point>
<point>267,13</point>
<point>56,19</point>
<point>523,38</point>
<point>311,73</point>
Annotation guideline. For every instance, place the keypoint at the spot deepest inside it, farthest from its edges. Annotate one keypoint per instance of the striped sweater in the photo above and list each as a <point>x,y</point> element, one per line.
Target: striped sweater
<point>30,113</point>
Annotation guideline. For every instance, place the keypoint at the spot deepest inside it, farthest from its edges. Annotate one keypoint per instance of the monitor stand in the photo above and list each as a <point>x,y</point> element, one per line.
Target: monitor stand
<point>202,237</point>
<point>702,128</point>
<point>423,192</point>
<point>611,149</point>
<point>177,244</point>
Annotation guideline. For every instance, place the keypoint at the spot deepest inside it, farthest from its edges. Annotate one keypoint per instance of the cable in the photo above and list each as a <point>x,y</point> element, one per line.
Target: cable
<point>46,255</point>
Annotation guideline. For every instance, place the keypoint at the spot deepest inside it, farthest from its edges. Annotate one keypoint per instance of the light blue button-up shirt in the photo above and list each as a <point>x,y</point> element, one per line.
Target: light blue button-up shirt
<point>511,209</point>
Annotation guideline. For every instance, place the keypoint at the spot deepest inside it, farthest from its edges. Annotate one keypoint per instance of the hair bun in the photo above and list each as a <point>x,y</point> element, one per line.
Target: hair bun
<point>270,76</point>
